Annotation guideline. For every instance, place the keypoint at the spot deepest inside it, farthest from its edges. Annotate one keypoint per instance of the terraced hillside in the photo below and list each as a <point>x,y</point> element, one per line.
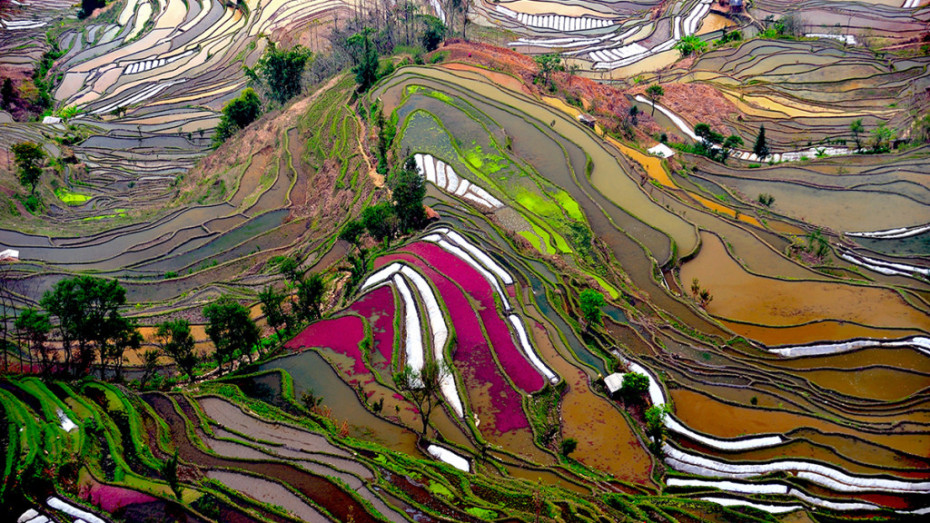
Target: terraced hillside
<point>772,305</point>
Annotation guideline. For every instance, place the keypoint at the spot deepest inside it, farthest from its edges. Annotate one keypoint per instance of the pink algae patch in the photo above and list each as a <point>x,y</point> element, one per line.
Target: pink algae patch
<point>111,499</point>
<point>500,408</point>
<point>342,335</point>
<point>377,307</point>
<point>511,357</point>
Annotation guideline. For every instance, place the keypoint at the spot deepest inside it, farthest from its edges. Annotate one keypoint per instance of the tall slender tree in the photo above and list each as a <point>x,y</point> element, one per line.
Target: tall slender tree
<point>655,92</point>
<point>761,148</point>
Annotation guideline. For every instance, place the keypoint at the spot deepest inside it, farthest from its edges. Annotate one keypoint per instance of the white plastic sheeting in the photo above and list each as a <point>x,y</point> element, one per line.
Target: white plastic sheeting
<point>528,349</point>
<point>482,257</point>
<point>447,456</point>
<point>882,266</point>
<point>464,256</point>
<point>657,397</point>
<point>555,22</point>
<point>413,343</point>
<point>766,507</point>
<point>730,486</point>
<point>892,234</point>
<point>920,343</point>
<point>443,176</point>
<point>440,333</point>
<point>66,424</point>
<point>381,275</point>
<point>60,505</point>
<point>814,472</point>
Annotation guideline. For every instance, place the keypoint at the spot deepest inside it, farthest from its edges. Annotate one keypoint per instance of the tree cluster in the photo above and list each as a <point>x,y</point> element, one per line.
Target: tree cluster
<point>238,114</point>
<point>713,144</point>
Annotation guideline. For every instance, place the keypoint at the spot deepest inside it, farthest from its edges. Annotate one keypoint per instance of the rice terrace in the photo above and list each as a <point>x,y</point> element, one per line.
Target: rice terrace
<point>464,260</point>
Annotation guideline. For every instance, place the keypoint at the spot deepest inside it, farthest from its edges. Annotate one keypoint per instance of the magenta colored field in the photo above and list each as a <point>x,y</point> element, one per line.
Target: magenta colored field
<point>473,355</point>
<point>511,357</point>
<point>343,335</point>
<point>378,308</point>
<point>110,498</point>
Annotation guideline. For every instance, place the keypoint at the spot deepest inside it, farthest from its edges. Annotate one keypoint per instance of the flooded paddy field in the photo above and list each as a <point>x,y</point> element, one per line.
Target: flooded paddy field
<point>775,307</point>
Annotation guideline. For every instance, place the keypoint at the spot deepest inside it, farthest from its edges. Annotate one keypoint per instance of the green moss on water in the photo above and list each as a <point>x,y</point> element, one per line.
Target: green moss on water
<point>482,513</point>
<point>439,489</point>
<point>71,198</point>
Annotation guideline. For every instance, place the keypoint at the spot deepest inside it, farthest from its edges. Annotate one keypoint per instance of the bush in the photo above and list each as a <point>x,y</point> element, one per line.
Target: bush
<point>634,386</point>
<point>568,446</point>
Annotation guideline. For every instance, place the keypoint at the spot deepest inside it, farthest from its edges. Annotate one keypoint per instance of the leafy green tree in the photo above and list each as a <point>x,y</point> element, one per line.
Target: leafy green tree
<point>7,94</point>
<point>433,32</point>
<point>380,221</point>
<point>655,426</point>
<point>882,136</point>
<point>123,334</point>
<point>89,6</point>
<point>352,233</point>
<point>149,367</point>
<point>34,327</point>
<point>170,472</point>
<point>731,142</point>
<point>761,148</point>
<point>29,158</point>
<point>231,329</point>
<point>273,309</point>
<point>290,268</point>
<point>548,64</point>
<point>655,92</point>
<point>568,446</point>
<point>310,293</point>
<point>709,138</point>
<point>857,128</point>
<point>634,386</point>
<point>690,44</point>
<point>280,70</point>
<point>423,387</point>
<point>408,189</point>
<point>177,343</point>
<point>591,303</point>
<point>87,310</point>
<point>238,114</point>
<point>366,71</point>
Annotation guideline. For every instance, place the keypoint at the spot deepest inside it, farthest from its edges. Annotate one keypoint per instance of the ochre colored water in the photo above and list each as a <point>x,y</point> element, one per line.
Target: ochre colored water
<point>744,297</point>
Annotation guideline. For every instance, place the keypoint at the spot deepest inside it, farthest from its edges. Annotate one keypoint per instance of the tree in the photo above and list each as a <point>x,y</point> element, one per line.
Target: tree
<point>280,70</point>
<point>548,64</point>
<point>352,232</point>
<point>170,472</point>
<point>423,387</point>
<point>433,33</point>
<point>655,92</point>
<point>709,138</point>
<point>591,303</point>
<point>380,221</point>
<point>122,334</point>
<point>690,44</point>
<point>655,426</point>
<point>29,158</point>
<point>87,310</point>
<point>366,71</point>
<point>408,189</point>
<point>310,294</point>
<point>857,128</point>
<point>732,142</point>
<point>273,308</point>
<point>290,268</point>
<point>34,327</point>
<point>89,6</point>
<point>634,386</point>
<point>568,446</point>
<point>231,329</point>
<point>882,136</point>
<point>149,367</point>
<point>238,114</point>
<point>178,344</point>
<point>7,94</point>
<point>761,148</point>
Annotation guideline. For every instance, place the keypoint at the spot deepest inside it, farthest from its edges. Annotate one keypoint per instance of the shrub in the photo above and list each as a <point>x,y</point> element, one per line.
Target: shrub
<point>568,446</point>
